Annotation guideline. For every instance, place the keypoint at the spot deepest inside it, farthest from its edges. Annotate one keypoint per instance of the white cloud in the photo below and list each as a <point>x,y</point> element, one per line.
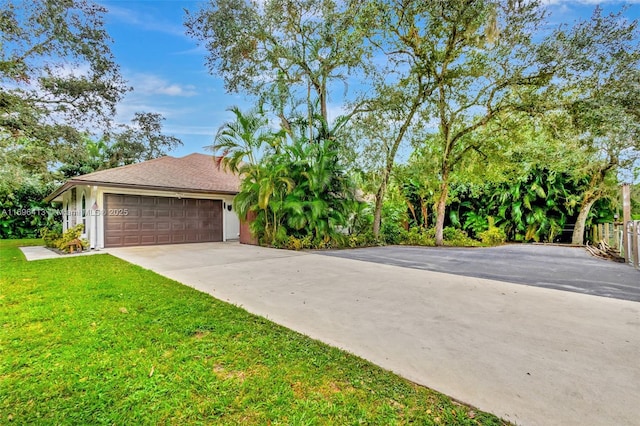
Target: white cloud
<point>146,21</point>
<point>73,70</point>
<point>334,111</point>
<point>150,84</point>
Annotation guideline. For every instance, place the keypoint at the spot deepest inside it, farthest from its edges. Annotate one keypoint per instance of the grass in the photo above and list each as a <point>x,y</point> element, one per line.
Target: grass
<point>96,340</point>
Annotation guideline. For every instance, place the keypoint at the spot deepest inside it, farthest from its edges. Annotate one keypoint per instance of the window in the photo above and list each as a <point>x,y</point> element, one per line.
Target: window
<point>65,215</point>
<point>83,212</point>
<point>73,207</point>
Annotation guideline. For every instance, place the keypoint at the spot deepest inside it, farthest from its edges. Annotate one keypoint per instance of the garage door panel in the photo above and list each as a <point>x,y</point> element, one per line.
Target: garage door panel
<point>131,240</point>
<point>161,220</point>
<point>131,211</point>
<point>113,226</point>
<point>148,239</point>
<point>132,226</point>
<point>178,238</point>
<point>148,226</point>
<point>113,241</point>
<point>131,200</point>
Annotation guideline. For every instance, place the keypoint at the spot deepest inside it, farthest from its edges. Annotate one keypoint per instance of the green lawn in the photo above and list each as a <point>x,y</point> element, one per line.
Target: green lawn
<point>96,340</point>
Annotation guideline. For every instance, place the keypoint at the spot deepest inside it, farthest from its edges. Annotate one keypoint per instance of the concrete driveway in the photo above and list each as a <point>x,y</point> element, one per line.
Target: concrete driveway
<point>534,356</point>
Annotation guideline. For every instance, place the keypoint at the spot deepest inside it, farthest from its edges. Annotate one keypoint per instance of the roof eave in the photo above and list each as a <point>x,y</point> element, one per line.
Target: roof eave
<point>62,188</point>
<point>74,182</point>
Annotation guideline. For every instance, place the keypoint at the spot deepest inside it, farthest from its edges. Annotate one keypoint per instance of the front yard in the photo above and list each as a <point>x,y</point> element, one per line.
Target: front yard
<point>94,339</point>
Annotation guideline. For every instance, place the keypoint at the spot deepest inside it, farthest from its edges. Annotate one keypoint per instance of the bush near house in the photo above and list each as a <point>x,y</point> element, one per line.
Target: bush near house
<point>22,211</point>
<point>54,237</point>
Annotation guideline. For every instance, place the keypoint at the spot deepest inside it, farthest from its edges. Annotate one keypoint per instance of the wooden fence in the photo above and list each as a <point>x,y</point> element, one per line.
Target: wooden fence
<point>623,238</point>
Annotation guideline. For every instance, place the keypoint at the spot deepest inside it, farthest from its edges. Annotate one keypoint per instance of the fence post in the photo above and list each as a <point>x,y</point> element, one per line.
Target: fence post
<point>626,218</point>
<point>600,232</point>
<point>634,242</point>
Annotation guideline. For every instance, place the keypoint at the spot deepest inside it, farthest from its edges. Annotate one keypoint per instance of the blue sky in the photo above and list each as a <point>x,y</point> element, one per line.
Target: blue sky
<point>167,69</point>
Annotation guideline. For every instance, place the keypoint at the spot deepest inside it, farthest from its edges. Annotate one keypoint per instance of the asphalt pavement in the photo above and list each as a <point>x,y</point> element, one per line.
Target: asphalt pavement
<point>549,266</point>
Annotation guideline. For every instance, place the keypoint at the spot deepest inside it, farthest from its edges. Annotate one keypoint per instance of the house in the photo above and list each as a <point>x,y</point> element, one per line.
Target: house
<point>167,200</point>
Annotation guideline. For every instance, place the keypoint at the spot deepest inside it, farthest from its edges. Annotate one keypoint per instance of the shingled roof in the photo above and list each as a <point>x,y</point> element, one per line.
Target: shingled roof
<point>192,173</point>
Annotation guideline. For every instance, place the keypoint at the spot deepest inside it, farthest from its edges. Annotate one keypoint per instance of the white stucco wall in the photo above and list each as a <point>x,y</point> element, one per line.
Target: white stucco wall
<point>231,219</point>
<point>74,214</point>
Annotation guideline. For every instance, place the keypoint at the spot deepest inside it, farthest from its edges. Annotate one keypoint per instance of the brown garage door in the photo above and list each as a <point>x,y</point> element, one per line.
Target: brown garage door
<point>135,220</point>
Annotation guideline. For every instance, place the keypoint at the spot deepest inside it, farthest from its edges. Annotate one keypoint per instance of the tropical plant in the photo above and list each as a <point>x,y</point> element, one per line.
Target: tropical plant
<point>244,140</point>
<point>22,211</point>
<point>493,236</point>
<point>293,186</point>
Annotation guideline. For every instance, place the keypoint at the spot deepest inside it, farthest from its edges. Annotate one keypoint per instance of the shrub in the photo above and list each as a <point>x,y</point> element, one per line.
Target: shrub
<point>22,211</point>
<point>458,238</point>
<point>51,235</point>
<point>391,232</point>
<point>70,235</point>
<point>366,239</point>
<point>419,237</point>
<point>294,243</point>
<point>394,214</point>
<point>494,235</point>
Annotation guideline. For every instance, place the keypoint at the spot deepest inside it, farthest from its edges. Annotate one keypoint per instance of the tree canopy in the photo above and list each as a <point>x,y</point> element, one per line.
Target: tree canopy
<point>56,67</point>
<point>59,88</point>
<point>465,82</point>
<point>287,53</point>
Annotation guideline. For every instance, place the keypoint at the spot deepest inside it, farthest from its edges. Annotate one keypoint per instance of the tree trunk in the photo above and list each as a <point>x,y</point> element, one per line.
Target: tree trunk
<point>440,210</point>
<point>577,237</point>
<point>425,219</point>
<point>377,213</point>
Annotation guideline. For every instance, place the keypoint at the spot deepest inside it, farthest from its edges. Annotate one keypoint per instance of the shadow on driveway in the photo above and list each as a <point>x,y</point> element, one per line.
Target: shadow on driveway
<point>557,267</point>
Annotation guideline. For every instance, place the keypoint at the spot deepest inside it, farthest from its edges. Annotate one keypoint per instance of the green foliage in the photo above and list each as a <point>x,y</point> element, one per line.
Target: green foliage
<point>458,238</point>
<point>293,186</point>
<point>361,218</point>
<point>38,101</point>
<point>68,236</point>
<point>243,140</point>
<point>534,207</point>
<point>417,236</point>
<point>393,219</point>
<point>493,236</point>
<point>141,140</point>
<point>51,235</point>
<point>275,50</point>
<point>366,239</point>
<point>294,243</point>
<point>22,211</point>
<point>427,237</point>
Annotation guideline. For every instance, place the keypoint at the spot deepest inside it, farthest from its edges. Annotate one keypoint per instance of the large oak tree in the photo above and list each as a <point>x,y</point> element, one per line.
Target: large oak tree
<point>58,77</point>
<point>287,53</point>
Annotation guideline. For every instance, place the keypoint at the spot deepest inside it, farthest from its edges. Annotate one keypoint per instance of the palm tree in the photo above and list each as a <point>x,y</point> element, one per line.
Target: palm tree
<point>242,141</point>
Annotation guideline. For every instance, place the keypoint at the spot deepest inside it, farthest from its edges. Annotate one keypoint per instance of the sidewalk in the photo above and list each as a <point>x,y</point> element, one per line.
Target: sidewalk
<point>40,252</point>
